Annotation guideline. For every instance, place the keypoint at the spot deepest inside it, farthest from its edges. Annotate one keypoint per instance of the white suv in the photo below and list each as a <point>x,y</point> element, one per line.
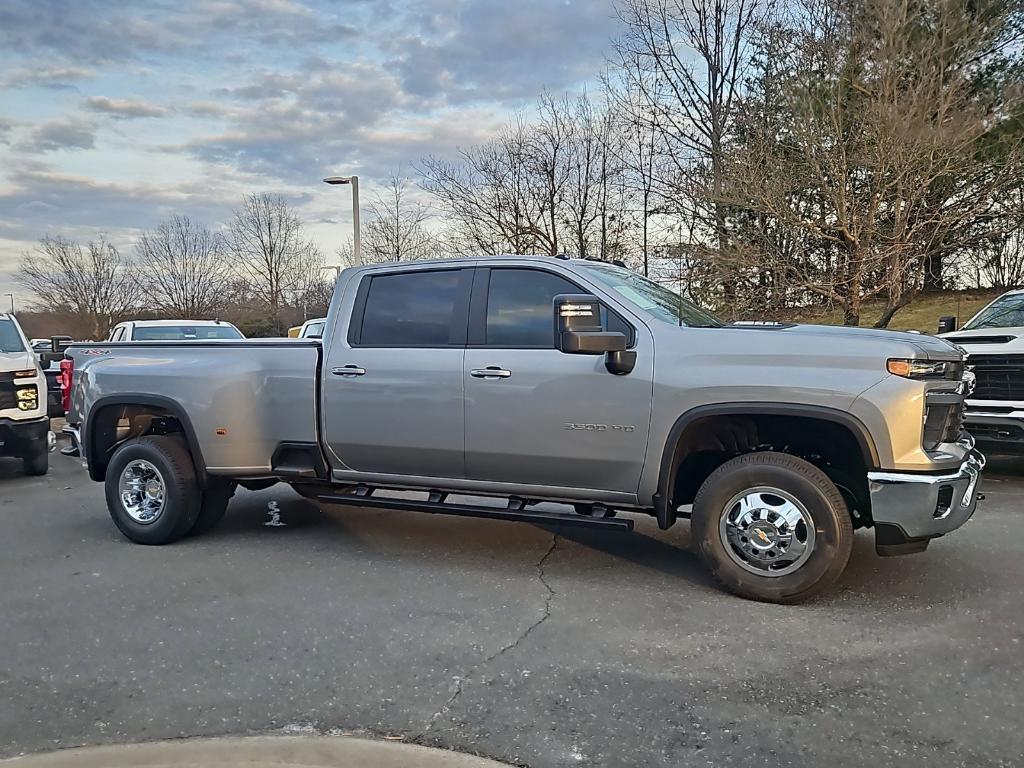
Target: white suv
<point>24,426</point>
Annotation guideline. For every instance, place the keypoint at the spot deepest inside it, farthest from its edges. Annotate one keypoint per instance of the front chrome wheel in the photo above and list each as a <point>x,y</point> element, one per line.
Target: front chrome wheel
<point>767,531</point>
<point>142,491</point>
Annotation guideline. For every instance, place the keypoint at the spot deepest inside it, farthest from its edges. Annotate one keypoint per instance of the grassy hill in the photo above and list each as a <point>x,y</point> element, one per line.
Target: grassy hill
<point>922,315</point>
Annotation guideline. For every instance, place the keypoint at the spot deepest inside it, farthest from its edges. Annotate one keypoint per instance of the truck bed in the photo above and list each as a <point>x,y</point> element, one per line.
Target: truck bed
<point>240,399</point>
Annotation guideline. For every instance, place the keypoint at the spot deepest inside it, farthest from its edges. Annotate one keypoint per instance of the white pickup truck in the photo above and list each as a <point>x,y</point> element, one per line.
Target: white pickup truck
<point>24,426</point>
<point>994,342</point>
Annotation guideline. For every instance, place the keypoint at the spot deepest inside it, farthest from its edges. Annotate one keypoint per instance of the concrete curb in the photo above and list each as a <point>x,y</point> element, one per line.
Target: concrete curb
<point>256,752</point>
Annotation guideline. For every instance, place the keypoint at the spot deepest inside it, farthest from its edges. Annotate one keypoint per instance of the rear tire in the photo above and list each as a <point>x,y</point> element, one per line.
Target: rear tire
<point>214,504</point>
<point>37,461</point>
<point>152,492</point>
<point>772,527</point>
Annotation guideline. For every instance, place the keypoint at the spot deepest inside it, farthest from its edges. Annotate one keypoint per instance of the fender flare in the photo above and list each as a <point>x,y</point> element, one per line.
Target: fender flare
<point>670,461</point>
<point>144,399</point>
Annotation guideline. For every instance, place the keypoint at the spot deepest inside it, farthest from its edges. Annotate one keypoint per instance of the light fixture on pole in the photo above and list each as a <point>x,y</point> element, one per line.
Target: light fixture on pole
<point>354,181</point>
<point>11,297</point>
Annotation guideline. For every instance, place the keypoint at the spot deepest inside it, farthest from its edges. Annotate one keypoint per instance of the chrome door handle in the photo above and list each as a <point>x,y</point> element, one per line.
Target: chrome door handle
<point>348,370</point>
<point>490,372</point>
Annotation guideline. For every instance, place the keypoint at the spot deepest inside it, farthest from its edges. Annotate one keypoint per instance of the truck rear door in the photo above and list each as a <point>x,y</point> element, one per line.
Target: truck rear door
<point>392,392</point>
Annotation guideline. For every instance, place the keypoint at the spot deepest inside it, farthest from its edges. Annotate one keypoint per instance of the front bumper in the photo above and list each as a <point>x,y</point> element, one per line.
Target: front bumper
<point>909,509</point>
<point>17,434</point>
<point>998,426</point>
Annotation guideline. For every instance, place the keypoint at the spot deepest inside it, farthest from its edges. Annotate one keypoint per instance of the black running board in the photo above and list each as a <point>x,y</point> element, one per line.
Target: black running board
<point>470,510</point>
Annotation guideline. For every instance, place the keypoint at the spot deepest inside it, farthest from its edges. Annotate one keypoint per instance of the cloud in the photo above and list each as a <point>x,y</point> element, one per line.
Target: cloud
<point>61,134</point>
<point>257,95</point>
<point>97,32</point>
<point>41,200</point>
<point>469,50</point>
<point>53,78</point>
<point>123,108</point>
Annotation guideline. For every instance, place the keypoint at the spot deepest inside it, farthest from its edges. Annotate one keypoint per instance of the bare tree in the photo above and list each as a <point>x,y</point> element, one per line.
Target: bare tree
<point>684,63</point>
<point>267,240</point>
<point>93,283</point>
<point>183,268</point>
<point>396,229</point>
<point>492,195</point>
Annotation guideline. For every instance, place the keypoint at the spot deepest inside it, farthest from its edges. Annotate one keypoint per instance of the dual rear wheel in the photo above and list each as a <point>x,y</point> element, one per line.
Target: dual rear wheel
<point>153,495</point>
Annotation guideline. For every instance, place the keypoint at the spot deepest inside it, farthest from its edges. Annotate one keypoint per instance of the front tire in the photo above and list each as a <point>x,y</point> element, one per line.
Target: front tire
<point>772,527</point>
<point>152,492</point>
<point>37,461</point>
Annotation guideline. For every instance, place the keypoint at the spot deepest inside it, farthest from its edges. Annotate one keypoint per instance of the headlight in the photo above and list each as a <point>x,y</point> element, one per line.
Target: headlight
<point>29,393</point>
<point>922,369</point>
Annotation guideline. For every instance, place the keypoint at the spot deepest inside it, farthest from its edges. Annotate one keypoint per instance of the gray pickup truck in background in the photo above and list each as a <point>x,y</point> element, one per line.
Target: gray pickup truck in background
<point>546,380</point>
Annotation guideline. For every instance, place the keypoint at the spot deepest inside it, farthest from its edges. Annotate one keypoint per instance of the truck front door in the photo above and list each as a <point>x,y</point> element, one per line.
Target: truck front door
<point>392,389</point>
<point>537,416</point>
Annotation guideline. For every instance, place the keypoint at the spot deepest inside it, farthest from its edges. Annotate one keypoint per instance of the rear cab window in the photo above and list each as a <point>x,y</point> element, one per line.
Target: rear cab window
<point>411,309</point>
<point>185,333</point>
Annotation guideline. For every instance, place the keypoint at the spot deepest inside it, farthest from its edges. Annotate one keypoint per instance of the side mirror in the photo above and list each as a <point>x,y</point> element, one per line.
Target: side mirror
<point>947,324</point>
<point>578,331</point>
<point>60,343</point>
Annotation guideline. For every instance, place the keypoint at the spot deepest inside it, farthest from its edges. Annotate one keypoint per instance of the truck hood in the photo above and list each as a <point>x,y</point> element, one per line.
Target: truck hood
<point>989,341</point>
<point>929,347</point>
<point>17,361</point>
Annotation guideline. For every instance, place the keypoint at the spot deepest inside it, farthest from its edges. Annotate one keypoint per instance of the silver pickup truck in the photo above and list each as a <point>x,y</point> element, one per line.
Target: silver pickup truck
<point>538,380</point>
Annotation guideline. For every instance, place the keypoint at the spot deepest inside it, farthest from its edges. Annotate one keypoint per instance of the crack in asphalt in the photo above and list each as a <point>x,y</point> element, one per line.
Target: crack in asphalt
<point>545,615</point>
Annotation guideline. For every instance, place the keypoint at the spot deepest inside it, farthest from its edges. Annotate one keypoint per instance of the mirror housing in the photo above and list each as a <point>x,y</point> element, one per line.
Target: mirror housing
<point>58,345</point>
<point>578,331</point>
<point>947,324</point>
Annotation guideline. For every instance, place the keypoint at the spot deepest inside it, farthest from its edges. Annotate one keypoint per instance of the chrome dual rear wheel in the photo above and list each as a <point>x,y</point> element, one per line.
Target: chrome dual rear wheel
<point>142,491</point>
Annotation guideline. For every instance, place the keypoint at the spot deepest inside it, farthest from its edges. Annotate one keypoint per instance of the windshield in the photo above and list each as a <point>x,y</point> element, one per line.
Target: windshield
<point>661,302</point>
<point>185,333</point>
<point>1004,312</point>
<point>10,339</point>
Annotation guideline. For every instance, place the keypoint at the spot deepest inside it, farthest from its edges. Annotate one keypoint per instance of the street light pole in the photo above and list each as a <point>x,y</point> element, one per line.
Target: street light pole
<point>354,181</point>
<point>11,297</point>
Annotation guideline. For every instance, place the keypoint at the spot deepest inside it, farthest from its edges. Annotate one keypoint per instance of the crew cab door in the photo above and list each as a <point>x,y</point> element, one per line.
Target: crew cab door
<point>392,387</point>
<point>540,417</point>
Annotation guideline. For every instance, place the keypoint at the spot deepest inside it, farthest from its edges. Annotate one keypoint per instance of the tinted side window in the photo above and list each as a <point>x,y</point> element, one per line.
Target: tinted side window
<point>410,309</point>
<point>520,308</point>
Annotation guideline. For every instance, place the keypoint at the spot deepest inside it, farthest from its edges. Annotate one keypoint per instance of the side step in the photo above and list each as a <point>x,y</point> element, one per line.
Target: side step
<point>439,507</point>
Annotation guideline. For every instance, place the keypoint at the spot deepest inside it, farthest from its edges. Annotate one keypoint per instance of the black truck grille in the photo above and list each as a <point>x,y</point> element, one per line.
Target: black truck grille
<point>7,397</point>
<point>999,377</point>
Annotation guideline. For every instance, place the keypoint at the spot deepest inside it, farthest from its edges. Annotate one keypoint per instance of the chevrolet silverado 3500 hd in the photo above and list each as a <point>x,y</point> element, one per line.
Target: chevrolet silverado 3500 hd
<point>545,380</point>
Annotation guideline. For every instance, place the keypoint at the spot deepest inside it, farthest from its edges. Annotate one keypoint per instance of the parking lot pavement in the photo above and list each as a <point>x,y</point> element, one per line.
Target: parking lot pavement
<point>506,640</point>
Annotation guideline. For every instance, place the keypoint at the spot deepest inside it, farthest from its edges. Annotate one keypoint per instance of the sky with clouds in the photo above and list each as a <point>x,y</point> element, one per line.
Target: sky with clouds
<point>115,114</point>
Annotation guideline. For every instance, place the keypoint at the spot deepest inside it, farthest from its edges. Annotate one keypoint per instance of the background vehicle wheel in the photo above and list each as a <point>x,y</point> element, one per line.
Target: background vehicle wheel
<point>214,504</point>
<point>772,527</point>
<point>151,489</point>
<point>37,461</point>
